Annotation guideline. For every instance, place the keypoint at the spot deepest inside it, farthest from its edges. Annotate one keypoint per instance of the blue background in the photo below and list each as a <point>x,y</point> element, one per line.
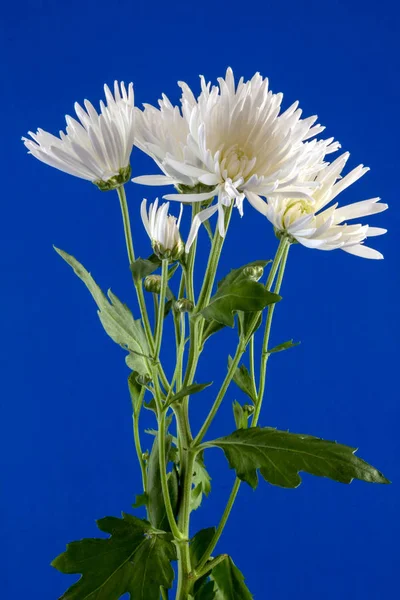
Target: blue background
<point>67,455</point>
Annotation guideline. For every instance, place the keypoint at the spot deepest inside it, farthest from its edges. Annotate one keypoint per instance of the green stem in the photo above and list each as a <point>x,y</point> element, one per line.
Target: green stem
<point>220,396</point>
<point>164,593</point>
<point>220,528</point>
<point>136,436</point>
<point>207,568</point>
<point>279,262</point>
<point>137,284</point>
<point>267,332</point>
<point>160,312</point>
<point>163,469</point>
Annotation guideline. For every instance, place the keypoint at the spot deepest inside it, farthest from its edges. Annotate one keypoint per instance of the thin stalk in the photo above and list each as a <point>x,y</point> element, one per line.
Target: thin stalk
<point>209,566</point>
<point>267,332</point>
<point>279,261</point>
<point>163,469</point>
<point>137,284</point>
<point>164,593</point>
<point>220,396</point>
<point>220,528</point>
<point>160,312</point>
<point>136,437</point>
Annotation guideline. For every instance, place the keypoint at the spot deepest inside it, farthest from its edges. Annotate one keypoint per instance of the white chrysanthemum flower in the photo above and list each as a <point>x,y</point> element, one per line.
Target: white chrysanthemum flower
<point>98,148</point>
<point>231,143</point>
<point>163,230</point>
<point>310,223</point>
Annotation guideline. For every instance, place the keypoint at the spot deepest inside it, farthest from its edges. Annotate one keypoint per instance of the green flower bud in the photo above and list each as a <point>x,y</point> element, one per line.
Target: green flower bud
<point>152,283</point>
<point>183,305</point>
<point>255,272</point>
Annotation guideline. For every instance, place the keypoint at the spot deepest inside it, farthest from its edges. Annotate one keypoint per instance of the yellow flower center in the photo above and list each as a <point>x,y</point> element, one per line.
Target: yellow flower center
<point>295,210</point>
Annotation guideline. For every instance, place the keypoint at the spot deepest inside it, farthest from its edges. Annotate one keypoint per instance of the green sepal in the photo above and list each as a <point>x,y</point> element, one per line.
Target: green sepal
<point>142,267</point>
<point>124,175</point>
<point>280,456</point>
<point>229,582</point>
<point>113,567</point>
<point>187,390</point>
<point>243,380</point>
<point>116,319</point>
<point>284,346</point>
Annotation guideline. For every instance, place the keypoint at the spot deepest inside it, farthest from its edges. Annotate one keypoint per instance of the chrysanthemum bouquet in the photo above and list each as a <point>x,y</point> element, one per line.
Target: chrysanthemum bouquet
<point>229,146</point>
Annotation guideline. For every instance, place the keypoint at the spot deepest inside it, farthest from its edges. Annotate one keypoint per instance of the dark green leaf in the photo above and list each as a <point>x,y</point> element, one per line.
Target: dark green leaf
<point>199,544</point>
<point>243,380</point>
<point>284,346</point>
<point>134,560</point>
<point>188,390</point>
<point>116,319</point>
<point>280,456</point>
<point>245,295</point>
<point>241,274</point>
<point>246,320</point>
<point>210,328</point>
<point>145,266</point>
<point>155,504</point>
<point>135,390</point>
<point>239,415</point>
<point>205,590</point>
<point>141,500</point>
<point>229,582</point>
<point>201,482</point>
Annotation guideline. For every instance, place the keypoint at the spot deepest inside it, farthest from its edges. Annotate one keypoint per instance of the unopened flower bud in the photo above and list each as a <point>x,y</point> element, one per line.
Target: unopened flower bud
<point>183,305</point>
<point>254,273</point>
<point>248,409</point>
<point>152,283</point>
<point>163,230</point>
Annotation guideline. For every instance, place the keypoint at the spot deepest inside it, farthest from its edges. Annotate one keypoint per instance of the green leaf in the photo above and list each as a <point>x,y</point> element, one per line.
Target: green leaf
<point>243,380</point>
<point>199,544</point>
<point>241,274</point>
<point>229,582</point>
<point>245,320</point>
<point>210,328</point>
<point>155,503</point>
<point>116,319</point>
<point>201,482</point>
<point>280,456</point>
<point>134,560</point>
<point>245,295</point>
<point>205,591</point>
<point>141,500</point>
<point>238,291</point>
<point>284,346</point>
<point>142,267</point>
<point>188,390</point>
<point>135,390</point>
<point>239,415</point>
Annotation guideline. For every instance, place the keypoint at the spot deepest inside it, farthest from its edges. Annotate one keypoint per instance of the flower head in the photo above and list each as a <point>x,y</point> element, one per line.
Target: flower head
<point>163,230</point>
<point>312,223</point>
<point>98,147</point>
<point>230,142</point>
